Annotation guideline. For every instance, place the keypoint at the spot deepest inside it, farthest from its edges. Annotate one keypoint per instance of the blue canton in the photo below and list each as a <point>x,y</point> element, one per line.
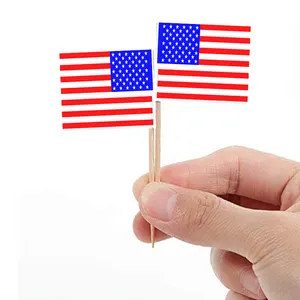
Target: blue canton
<point>178,43</point>
<point>131,71</point>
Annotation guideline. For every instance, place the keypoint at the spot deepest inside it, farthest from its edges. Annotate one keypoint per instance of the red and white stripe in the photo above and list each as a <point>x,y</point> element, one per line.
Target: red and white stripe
<point>222,73</point>
<point>87,97</point>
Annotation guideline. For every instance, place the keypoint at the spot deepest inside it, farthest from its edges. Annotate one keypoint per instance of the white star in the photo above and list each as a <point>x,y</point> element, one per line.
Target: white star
<point>141,87</point>
<point>171,26</point>
<point>167,30</point>
<point>164,26</point>
<point>127,88</point>
<point>163,43</point>
<point>119,54</point>
<point>120,88</point>
<point>193,31</point>
<point>174,30</point>
<point>176,60</point>
<point>177,34</point>
<point>164,34</point>
<point>179,47</point>
<point>132,53</point>
<point>193,48</point>
<point>120,62</point>
<point>173,56</point>
<point>177,26</point>
<point>114,88</point>
<point>147,78</point>
<point>143,74</point>
<point>130,83</point>
<point>183,26</point>
<point>139,53</point>
<point>140,70</point>
<point>173,39</point>
<point>133,87</point>
<point>113,71</point>
<point>116,67</point>
<point>196,35</point>
<point>190,27</point>
<point>189,60</point>
<point>169,59</point>
<point>124,83</point>
<point>144,82</point>
<point>197,27</point>
<point>182,60</point>
<point>126,53</point>
<point>163,60</point>
<point>173,47</point>
<point>186,48</point>
<point>193,40</point>
<point>190,35</point>
<point>117,84</point>
<point>127,79</point>
<point>167,38</point>
<point>167,47</point>
<point>180,30</point>
<point>113,62</point>
<point>123,58</point>
<point>147,87</point>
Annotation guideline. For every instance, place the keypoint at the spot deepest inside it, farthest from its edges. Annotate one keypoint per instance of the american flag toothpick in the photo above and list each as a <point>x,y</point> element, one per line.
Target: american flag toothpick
<point>106,89</point>
<point>203,62</point>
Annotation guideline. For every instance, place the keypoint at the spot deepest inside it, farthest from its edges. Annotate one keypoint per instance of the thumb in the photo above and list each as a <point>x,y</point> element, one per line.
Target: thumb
<point>204,219</point>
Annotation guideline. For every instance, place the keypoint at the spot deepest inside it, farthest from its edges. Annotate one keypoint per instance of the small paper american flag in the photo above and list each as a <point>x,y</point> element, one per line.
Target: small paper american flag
<point>106,89</point>
<point>203,62</point>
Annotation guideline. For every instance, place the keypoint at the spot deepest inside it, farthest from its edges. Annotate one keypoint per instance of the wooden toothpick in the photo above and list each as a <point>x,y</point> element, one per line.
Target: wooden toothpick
<point>157,157</point>
<point>151,173</point>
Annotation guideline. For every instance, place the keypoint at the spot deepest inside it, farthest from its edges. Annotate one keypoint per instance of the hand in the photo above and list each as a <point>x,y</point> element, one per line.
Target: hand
<point>243,203</point>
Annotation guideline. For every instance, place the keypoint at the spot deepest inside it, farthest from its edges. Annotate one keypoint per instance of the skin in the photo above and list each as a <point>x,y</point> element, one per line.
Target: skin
<point>242,203</point>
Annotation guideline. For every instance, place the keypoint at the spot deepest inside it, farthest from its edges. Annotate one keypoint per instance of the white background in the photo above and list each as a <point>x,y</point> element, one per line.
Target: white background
<point>66,202</point>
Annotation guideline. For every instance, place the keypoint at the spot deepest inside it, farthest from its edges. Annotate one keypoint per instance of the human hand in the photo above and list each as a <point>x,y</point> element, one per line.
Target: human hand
<point>245,205</point>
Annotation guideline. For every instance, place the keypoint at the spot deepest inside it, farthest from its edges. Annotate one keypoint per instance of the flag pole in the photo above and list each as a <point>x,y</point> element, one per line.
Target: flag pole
<point>157,155</point>
<point>151,173</point>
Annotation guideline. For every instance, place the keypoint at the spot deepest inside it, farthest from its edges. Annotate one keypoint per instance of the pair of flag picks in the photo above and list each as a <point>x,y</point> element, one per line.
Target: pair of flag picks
<point>116,88</point>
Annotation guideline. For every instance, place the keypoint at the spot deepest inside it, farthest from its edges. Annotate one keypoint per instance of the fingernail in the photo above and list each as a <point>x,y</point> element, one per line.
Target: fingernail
<point>159,201</point>
<point>250,282</point>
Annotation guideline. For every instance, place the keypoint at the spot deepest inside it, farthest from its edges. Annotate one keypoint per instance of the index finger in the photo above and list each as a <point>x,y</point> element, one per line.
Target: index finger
<point>234,170</point>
